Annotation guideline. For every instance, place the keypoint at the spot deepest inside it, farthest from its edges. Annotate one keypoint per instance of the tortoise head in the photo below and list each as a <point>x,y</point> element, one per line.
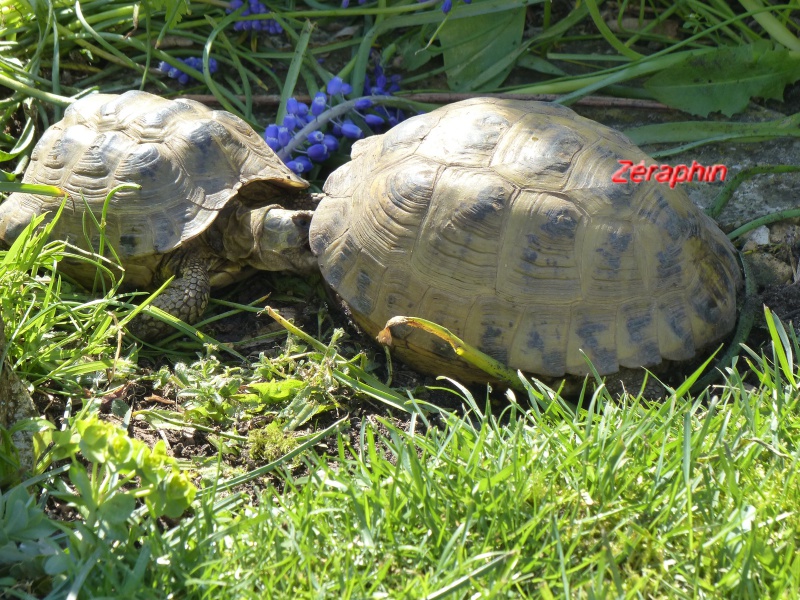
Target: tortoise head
<point>281,240</point>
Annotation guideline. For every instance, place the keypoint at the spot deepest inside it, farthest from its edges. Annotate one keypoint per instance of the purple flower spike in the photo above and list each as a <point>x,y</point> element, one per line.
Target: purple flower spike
<point>284,137</point>
<point>291,106</point>
<point>307,166</point>
<point>254,7</point>
<point>447,5</point>
<point>273,143</point>
<point>318,152</point>
<point>331,143</point>
<point>290,122</point>
<point>346,89</point>
<point>271,131</point>
<point>315,137</point>
<point>363,104</point>
<point>373,120</point>
<point>319,103</point>
<point>295,166</point>
<point>335,86</point>
<point>352,131</point>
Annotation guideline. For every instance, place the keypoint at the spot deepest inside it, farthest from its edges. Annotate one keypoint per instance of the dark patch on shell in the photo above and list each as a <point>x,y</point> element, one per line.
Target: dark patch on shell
<point>560,223</point>
<point>637,325</point>
<point>362,301</point>
<point>535,341</point>
<point>128,242</point>
<point>488,201</point>
<point>554,362</point>
<point>669,263</point>
<point>604,359</point>
<point>489,340</point>
<point>619,244</point>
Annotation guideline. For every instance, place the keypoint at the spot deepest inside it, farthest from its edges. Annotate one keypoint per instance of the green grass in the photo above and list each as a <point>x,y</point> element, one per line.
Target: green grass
<point>623,499</point>
<point>675,500</point>
<point>320,480</point>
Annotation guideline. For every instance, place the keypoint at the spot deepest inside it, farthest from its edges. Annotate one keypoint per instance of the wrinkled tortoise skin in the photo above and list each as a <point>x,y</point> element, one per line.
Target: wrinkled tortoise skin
<point>498,219</point>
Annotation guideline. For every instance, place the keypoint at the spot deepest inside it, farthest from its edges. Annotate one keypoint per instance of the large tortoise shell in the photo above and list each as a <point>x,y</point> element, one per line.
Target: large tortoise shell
<point>498,219</point>
<point>187,159</point>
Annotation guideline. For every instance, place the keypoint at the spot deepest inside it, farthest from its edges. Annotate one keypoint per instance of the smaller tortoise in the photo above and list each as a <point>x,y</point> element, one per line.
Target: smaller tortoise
<point>498,219</point>
<point>207,208</point>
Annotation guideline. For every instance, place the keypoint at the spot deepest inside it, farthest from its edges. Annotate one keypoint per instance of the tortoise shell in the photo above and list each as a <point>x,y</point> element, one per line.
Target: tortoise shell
<point>498,219</point>
<point>185,160</point>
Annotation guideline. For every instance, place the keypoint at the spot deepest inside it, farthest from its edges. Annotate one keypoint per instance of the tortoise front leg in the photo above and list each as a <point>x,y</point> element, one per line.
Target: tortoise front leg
<point>186,298</point>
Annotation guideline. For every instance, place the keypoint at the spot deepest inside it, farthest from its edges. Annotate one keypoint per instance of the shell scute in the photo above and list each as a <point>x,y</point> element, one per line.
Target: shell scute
<point>537,155</point>
<point>465,137</point>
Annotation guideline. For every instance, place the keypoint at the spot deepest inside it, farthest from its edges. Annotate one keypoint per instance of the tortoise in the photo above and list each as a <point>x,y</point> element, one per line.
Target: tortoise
<point>205,207</point>
<point>498,220</point>
<point>494,218</point>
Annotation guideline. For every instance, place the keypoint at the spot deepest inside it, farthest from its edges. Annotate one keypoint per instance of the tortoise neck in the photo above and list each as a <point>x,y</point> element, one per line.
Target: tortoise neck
<point>269,238</point>
<point>237,229</point>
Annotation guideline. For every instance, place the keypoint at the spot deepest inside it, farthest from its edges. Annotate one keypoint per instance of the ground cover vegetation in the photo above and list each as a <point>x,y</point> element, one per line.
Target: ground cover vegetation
<point>250,460</point>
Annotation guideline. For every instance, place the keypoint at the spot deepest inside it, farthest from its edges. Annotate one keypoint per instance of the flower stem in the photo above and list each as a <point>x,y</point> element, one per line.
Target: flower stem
<point>334,113</point>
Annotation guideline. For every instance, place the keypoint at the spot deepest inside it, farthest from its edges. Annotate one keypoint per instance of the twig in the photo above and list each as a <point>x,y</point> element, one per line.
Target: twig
<point>449,97</point>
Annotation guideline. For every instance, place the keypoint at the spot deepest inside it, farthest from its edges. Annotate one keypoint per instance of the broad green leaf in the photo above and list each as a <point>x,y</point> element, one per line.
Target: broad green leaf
<point>416,51</point>
<point>117,508</point>
<point>271,392</point>
<point>480,51</point>
<point>540,65</point>
<point>725,79</point>
<point>58,563</point>
<point>180,493</point>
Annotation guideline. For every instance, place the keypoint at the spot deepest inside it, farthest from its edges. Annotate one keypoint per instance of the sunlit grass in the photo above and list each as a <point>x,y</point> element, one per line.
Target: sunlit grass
<point>680,499</point>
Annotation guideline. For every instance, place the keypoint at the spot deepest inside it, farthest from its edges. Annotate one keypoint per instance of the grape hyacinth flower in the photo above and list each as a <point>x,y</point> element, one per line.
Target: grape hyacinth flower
<point>194,62</point>
<point>254,7</point>
<point>382,85</point>
<point>308,135</point>
<point>338,87</point>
